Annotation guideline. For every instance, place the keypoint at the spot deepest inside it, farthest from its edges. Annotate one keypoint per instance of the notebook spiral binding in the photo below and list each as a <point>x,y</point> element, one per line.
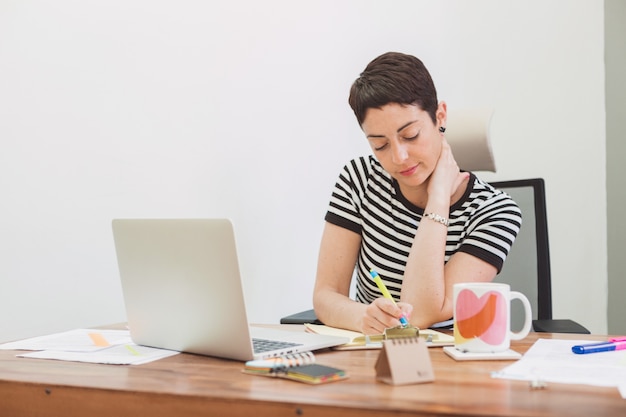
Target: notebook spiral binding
<point>298,366</point>
<point>403,340</point>
<point>294,359</point>
<point>280,364</point>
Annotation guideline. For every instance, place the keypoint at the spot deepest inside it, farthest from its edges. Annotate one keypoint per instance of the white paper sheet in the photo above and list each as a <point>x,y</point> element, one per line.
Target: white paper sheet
<point>551,360</point>
<point>113,347</point>
<point>79,340</point>
<point>127,354</point>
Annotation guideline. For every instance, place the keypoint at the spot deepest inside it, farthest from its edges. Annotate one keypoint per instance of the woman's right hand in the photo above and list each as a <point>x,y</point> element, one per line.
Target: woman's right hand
<point>383,314</point>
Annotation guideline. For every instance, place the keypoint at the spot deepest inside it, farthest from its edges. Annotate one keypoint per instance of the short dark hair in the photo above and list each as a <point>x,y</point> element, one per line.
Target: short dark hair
<point>393,78</point>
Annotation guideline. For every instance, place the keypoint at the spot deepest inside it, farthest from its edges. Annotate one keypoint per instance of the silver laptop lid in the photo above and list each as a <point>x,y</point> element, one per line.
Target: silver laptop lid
<point>181,285</point>
<point>182,288</point>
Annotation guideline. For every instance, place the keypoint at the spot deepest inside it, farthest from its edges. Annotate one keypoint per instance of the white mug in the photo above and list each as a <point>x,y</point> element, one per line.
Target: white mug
<point>482,317</point>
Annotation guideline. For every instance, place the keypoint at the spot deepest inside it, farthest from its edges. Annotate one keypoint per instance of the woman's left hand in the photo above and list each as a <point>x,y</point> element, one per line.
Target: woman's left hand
<point>447,177</point>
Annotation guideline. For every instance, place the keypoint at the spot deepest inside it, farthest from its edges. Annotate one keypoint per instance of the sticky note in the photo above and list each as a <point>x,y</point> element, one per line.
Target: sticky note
<point>98,340</point>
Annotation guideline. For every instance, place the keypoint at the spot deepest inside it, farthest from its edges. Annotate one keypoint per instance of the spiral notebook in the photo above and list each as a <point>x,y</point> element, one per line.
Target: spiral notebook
<point>433,338</point>
<point>300,367</point>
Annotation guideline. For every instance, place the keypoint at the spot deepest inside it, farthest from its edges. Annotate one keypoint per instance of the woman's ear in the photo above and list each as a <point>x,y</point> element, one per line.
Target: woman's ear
<point>442,116</point>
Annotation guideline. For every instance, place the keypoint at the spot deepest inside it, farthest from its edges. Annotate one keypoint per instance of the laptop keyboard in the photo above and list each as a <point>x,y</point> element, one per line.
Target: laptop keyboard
<point>264,345</point>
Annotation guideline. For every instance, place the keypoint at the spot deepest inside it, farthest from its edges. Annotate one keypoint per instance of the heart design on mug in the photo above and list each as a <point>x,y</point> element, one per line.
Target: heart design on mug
<point>483,318</point>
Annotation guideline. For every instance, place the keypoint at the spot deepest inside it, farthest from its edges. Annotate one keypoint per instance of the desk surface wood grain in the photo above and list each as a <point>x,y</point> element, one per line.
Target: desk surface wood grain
<point>193,385</point>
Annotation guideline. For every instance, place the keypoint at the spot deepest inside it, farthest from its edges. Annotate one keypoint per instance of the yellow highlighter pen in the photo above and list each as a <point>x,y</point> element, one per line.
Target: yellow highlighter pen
<point>385,291</point>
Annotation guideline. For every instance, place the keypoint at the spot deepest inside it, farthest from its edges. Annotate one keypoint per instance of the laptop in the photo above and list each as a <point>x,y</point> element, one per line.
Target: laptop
<point>183,291</point>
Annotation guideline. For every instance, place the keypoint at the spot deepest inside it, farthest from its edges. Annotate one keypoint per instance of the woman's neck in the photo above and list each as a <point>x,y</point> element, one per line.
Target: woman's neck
<point>418,196</point>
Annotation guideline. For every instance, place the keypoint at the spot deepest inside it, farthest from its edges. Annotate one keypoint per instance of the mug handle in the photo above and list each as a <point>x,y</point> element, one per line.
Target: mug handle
<point>527,316</point>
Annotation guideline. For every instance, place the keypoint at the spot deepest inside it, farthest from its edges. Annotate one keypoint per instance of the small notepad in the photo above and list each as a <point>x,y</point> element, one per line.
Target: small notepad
<point>298,367</point>
<point>404,361</point>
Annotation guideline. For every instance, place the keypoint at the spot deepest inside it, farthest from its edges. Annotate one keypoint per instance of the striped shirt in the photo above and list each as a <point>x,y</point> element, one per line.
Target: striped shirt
<point>368,201</point>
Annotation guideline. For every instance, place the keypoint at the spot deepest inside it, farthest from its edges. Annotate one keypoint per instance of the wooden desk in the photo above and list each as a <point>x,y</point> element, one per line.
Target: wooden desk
<point>190,385</point>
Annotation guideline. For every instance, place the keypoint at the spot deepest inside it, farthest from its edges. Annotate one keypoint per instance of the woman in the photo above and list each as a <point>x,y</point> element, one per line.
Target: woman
<point>407,211</point>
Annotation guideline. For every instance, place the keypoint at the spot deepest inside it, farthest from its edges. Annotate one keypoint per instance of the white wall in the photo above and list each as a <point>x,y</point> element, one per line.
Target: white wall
<point>143,108</point>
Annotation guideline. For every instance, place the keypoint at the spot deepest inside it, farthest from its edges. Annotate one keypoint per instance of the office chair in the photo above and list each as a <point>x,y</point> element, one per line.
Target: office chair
<point>527,267</point>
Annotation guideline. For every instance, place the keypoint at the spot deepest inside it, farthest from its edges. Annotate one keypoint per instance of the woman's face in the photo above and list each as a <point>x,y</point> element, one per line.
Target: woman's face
<point>405,141</point>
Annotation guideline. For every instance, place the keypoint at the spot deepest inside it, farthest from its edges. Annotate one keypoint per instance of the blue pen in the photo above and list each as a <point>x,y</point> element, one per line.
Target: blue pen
<point>385,291</point>
<point>613,344</point>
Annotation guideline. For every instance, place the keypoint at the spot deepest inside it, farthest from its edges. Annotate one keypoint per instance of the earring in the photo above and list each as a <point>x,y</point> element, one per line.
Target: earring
<point>442,129</point>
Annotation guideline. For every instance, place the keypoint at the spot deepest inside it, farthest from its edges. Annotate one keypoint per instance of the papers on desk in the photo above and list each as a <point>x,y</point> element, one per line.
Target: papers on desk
<point>80,340</point>
<point>113,347</point>
<point>551,360</point>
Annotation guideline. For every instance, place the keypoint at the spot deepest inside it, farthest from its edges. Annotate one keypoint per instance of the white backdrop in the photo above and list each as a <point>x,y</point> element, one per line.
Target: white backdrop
<point>143,108</point>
